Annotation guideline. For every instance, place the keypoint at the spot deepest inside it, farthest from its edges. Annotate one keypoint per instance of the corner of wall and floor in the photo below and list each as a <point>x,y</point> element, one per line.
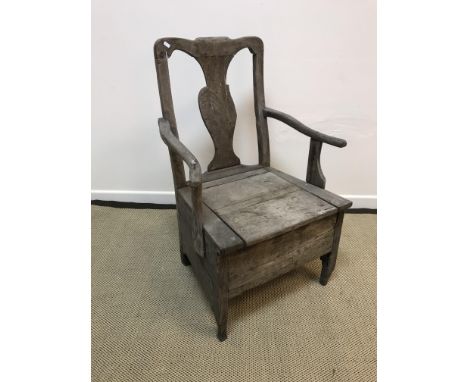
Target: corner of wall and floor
<point>167,197</point>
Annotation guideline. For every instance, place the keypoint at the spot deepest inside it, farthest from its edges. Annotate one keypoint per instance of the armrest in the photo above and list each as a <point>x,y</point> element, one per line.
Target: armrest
<point>314,169</point>
<point>299,126</point>
<point>177,147</point>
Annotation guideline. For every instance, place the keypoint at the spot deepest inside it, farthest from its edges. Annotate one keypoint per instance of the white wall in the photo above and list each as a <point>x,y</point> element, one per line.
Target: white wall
<point>320,66</point>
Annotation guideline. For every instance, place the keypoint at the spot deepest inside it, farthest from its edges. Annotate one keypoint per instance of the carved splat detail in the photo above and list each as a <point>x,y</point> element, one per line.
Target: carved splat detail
<point>217,108</point>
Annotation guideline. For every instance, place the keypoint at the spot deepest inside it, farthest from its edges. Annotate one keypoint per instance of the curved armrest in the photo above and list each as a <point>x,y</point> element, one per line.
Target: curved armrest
<point>175,145</point>
<point>314,169</point>
<point>299,126</point>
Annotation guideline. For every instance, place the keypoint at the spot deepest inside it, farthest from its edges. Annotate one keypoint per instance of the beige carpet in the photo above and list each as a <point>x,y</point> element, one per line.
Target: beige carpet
<point>151,321</point>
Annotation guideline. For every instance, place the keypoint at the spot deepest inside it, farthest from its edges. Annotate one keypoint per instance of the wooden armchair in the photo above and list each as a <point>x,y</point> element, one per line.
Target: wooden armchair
<point>240,226</point>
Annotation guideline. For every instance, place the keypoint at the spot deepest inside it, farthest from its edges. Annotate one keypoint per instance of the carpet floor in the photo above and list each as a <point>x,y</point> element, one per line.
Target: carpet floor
<point>152,322</point>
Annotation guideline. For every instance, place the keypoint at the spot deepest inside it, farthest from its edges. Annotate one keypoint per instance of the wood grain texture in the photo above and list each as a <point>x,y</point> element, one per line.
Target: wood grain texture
<point>209,176</point>
<point>232,178</point>
<point>299,126</point>
<point>214,55</point>
<point>225,239</point>
<point>218,111</point>
<point>329,197</point>
<point>210,270</point>
<point>269,259</point>
<point>264,205</point>
<point>195,181</point>
<point>244,189</point>
<point>242,225</point>
<point>314,168</point>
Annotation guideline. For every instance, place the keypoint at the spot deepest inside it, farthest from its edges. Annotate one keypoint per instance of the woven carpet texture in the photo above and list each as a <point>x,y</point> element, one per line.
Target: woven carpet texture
<point>152,322</point>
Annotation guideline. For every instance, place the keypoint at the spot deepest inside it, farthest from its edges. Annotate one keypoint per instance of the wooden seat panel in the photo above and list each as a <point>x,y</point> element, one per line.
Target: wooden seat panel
<point>264,205</point>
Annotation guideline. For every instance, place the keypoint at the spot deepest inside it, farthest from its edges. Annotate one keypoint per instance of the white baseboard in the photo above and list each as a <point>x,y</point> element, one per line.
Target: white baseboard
<point>167,197</point>
<point>156,197</point>
<point>362,201</point>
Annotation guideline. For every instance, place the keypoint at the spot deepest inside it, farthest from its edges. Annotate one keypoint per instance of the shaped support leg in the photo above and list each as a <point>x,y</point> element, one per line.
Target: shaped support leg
<point>221,300</point>
<point>221,315</point>
<point>329,260</point>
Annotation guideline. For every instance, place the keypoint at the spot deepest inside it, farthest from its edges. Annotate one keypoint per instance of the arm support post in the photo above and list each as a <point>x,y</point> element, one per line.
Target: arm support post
<point>314,168</point>
<point>195,180</point>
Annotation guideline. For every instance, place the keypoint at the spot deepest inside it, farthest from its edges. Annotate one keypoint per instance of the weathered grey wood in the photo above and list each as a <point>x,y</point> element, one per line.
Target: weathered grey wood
<point>195,181</point>
<point>269,259</point>
<point>232,178</point>
<point>264,205</point>
<point>225,172</point>
<point>282,213</point>
<point>225,239</point>
<point>259,104</point>
<point>329,197</point>
<point>299,126</point>
<point>216,105</point>
<point>222,297</point>
<point>167,108</point>
<point>218,110</point>
<point>239,225</point>
<point>244,189</point>
<point>183,152</point>
<point>314,169</point>
<point>211,270</point>
<point>329,260</point>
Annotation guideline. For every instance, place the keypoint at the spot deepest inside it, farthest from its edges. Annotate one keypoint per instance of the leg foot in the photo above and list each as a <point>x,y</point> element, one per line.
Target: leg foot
<point>323,281</point>
<point>184,259</point>
<point>222,316</point>
<point>326,269</point>
<point>221,333</point>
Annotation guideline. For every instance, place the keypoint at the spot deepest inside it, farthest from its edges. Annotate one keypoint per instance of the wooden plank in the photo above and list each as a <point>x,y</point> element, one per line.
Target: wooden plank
<point>217,174</point>
<point>244,189</point>
<point>232,178</point>
<point>264,205</point>
<point>285,211</point>
<point>267,260</point>
<point>329,197</point>
<point>226,239</point>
